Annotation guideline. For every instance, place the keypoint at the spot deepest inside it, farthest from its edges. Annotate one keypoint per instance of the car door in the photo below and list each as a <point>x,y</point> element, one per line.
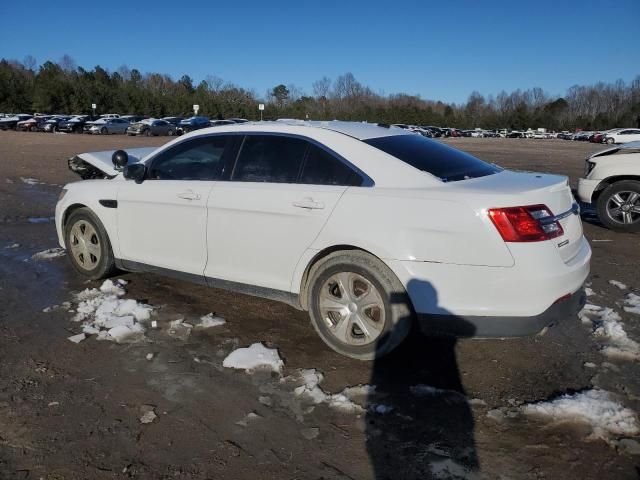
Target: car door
<point>163,220</point>
<point>268,213</point>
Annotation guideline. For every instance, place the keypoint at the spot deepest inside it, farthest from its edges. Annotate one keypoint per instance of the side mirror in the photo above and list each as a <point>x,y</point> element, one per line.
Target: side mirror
<point>120,159</point>
<point>135,172</point>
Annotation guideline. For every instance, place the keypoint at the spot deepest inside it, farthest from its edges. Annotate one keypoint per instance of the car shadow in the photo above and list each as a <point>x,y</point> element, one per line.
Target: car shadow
<point>429,431</point>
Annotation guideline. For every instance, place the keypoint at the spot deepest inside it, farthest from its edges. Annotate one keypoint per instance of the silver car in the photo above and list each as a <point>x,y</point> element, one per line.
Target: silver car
<point>107,126</point>
<point>151,126</point>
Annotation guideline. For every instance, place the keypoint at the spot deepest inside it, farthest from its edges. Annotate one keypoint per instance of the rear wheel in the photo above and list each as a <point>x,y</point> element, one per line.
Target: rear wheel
<point>357,305</point>
<point>104,130</point>
<point>619,206</point>
<point>88,244</point>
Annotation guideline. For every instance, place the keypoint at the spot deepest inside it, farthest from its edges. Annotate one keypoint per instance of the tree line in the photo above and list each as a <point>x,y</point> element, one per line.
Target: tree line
<point>64,87</point>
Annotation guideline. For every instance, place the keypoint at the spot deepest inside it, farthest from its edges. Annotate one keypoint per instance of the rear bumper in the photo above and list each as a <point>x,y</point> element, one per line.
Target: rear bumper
<point>502,327</point>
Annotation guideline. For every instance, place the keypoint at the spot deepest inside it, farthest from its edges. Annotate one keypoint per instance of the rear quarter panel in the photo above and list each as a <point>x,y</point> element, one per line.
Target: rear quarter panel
<point>413,225</point>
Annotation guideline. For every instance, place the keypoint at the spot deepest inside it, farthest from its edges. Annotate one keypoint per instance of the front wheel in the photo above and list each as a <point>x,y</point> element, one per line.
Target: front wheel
<point>104,131</point>
<point>610,141</point>
<point>357,305</point>
<point>147,132</point>
<point>619,206</point>
<point>88,245</point>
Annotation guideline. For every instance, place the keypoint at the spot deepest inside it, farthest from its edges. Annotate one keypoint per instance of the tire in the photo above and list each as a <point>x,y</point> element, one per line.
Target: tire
<point>104,131</point>
<point>610,141</point>
<point>94,262</point>
<point>618,206</point>
<point>147,132</point>
<point>171,133</point>
<point>389,320</point>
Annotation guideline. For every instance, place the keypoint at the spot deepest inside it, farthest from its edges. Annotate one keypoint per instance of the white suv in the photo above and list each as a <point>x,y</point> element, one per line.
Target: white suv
<point>367,227</point>
<point>612,183</point>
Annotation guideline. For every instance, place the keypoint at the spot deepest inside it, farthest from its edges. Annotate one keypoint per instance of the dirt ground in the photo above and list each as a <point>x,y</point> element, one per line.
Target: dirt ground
<point>72,411</point>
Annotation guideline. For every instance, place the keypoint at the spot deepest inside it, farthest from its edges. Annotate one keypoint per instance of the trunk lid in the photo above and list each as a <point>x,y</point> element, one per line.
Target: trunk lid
<point>510,189</point>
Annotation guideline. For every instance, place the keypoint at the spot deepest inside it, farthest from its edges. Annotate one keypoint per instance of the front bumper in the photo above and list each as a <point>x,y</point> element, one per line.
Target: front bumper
<point>586,187</point>
<point>502,327</point>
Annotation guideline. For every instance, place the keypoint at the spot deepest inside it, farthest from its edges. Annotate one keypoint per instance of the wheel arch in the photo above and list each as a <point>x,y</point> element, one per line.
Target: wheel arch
<point>607,182</point>
<point>304,280</point>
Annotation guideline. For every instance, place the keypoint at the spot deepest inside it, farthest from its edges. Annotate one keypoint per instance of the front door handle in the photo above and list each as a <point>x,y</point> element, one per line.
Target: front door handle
<point>189,195</point>
<point>309,204</point>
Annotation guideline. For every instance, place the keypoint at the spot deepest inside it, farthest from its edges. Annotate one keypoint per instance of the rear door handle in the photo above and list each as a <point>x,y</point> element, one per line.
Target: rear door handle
<point>309,204</point>
<point>189,195</point>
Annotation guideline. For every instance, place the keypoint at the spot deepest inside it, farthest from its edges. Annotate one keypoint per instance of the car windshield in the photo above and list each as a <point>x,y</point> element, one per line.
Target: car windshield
<point>446,163</point>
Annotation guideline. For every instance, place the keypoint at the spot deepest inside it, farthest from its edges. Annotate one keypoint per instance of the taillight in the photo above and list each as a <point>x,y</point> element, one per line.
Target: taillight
<point>533,223</point>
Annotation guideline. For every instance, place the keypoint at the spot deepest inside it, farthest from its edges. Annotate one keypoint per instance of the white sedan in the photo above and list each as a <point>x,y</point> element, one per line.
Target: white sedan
<point>622,135</point>
<point>367,227</point>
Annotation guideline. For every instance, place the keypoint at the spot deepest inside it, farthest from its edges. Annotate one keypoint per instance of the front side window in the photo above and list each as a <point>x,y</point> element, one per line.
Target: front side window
<point>197,159</point>
<point>322,168</point>
<point>265,158</point>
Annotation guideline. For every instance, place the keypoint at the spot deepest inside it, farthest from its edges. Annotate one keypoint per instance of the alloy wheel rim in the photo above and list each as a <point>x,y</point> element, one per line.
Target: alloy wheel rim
<point>624,207</point>
<point>85,245</point>
<point>352,309</point>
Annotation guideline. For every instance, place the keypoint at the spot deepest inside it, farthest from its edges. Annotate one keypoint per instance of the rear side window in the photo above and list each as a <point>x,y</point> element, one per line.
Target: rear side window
<point>197,159</point>
<point>442,161</point>
<point>265,158</point>
<point>322,168</point>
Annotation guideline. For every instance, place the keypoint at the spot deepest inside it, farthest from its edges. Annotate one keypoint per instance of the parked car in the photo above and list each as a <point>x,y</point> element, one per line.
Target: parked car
<point>132,118</point>
<point>109,115</point>
<point>515,134</point>
<point>106,126</point>
<point>612,184</point>
<point>52,124</point>
<point>32,124</point>
<point>151,127</point>
<point>192,123</point>
<point>10,123</point>
<point>217,123</point>
<point>366,227</point>
<point>239,120</point>
<point>75,124</point>
<point>624,135</point>
<point>175,121</point>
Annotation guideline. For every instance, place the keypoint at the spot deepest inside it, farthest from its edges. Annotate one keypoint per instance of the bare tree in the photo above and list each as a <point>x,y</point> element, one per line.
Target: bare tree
<point>29,63</point>
<point>67,63</point>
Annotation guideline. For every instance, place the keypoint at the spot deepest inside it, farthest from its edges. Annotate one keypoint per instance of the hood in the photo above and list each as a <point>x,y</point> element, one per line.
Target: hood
<point>630,147</point>
<point>93,165</point>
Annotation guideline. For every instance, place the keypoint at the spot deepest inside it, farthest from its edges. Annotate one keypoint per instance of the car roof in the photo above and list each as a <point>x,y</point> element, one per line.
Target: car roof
<point>358,130</point>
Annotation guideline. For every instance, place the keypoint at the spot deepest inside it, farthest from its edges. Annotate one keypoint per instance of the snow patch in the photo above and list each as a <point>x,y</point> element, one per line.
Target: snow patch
<point>606,324</point>
<point>632,303</point>
<point>103,313</point>
<point>597,408</point>
<point>311,391</point>
<point>30,181</point>
<point>589,292</point>
<point>40,219</point>
<point>49,254</point>
<point>210,321</point>
<point>423,391</point>
<point>618,284</point>
<point>256,356</point>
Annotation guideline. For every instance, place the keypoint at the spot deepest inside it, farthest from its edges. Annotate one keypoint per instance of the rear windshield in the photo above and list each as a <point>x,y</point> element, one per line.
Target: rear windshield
<point>446,163</point>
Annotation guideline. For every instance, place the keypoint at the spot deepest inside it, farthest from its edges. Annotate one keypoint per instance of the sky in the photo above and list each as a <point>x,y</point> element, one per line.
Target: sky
<point>439,50</point>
